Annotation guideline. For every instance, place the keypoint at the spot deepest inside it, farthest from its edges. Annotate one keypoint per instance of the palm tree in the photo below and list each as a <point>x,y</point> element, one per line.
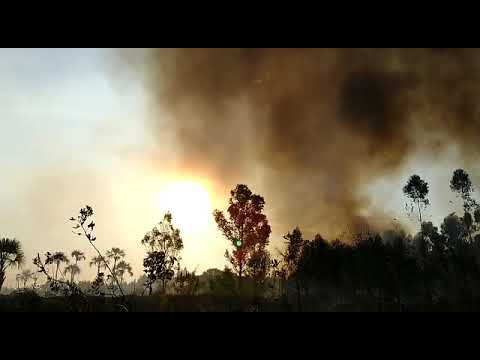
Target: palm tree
<point>122,268</point>
<point>11,253</point>
<point>25,276</point>
<point>73,269</point>
<point>58,258</point>
<point>78,256</point>
<point>115,254</point>
<point>99,262</point>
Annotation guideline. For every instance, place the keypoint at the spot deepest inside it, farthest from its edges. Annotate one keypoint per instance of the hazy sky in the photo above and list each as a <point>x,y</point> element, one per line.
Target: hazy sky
<point>71,134</point>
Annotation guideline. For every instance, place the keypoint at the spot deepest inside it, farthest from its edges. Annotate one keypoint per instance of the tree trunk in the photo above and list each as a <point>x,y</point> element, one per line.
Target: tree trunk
<point>419,214</point>
<point>424,259</point>
<point>2,279</point>
<point>114,273</point>
<point>240,280</point>
<point>299,302</point>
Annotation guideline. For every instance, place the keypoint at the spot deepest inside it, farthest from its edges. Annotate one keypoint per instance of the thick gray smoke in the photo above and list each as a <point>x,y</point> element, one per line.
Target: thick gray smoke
<point>314,124</point>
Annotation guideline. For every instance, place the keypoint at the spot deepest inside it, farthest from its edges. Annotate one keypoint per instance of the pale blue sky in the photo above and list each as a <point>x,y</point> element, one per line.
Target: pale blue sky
<point>59,99</point>
<point>74,133</point>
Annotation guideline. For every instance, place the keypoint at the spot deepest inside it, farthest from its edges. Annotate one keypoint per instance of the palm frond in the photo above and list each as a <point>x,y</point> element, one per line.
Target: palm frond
<point>11,250</point>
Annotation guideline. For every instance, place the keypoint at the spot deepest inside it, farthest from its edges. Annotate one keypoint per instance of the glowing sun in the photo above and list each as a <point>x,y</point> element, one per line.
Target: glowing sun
<point>190,205</point>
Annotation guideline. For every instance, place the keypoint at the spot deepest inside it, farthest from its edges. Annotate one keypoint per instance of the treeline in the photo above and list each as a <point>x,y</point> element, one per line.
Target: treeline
<point>436,268</point>
<point>394,271</point>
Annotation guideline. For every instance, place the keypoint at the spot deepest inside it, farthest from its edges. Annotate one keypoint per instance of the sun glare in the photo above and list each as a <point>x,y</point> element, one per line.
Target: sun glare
<point>190,205</point>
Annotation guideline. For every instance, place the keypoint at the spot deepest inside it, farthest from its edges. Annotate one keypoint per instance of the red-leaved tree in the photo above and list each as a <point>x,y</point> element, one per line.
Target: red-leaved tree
<point>247,228</point>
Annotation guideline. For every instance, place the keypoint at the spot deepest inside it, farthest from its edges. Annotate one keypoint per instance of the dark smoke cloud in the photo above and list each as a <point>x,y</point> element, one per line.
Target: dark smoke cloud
<point>314,124</point>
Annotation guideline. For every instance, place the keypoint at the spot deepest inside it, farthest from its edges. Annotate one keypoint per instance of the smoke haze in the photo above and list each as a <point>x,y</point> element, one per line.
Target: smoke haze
<point>311,127</point>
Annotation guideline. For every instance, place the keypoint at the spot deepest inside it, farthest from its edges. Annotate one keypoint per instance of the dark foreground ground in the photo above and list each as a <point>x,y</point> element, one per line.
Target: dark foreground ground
<point>28,302</point>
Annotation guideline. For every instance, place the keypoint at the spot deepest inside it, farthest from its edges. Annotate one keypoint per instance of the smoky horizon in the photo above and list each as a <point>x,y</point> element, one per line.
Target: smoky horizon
<point>312,127</point>
<point>327,137</point>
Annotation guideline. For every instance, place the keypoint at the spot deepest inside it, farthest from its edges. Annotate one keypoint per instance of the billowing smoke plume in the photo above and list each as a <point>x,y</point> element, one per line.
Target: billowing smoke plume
<point>313,125</point>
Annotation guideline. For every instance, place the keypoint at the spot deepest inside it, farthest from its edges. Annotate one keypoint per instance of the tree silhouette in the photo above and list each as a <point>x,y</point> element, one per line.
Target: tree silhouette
<point>462,185</point>
<point>163,244</point>
<point>247,228</point>
<point>18,277</point>
<point>123,268</point>
<point>416,190</point>
<point>35,279</point>
<point>476,216</point>
<point>73,270</point>
<point>185,282</point>
<point>116,254</point>
<point>401,265</point>
<point>436,268</point>
<point>258,268</point>
<point>58,259</point>
<point>73,295</point>
<point>78,255</point>
<point>455,231</point>
<point>82,218</point>
<point>222,283</point>
<point>314,265</point>
<point>11,253</point>
<point>99,262</point>
<point>25,276</point>
<point>291,258</point>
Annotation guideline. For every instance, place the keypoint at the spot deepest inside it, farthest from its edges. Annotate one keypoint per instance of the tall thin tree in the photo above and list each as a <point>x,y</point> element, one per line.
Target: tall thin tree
<point>73,270</point>
<point>416,190</point>
<point>291,257</point>
<point>100,262</point>
<point>59,258</point>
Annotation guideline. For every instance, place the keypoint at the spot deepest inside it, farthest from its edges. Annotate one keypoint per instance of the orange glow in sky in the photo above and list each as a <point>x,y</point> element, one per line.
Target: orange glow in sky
<point>190,203</point>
